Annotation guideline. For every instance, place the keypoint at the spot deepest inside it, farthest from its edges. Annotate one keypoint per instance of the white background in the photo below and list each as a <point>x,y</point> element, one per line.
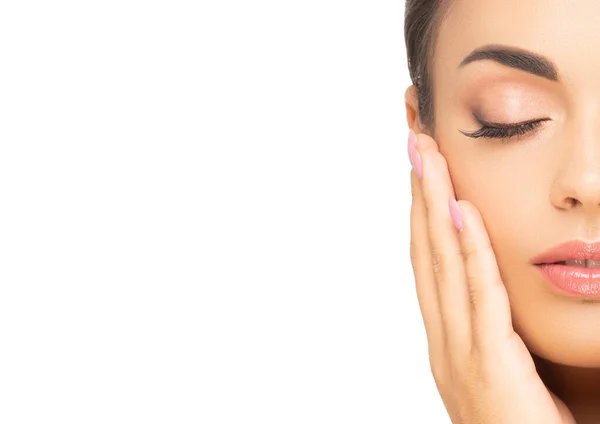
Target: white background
<point>204,214</point>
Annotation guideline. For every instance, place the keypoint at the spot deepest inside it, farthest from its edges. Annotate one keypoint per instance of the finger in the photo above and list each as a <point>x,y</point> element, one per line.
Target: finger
<point>491,319</point>
<point>447,260</point>
<point>424,278</point>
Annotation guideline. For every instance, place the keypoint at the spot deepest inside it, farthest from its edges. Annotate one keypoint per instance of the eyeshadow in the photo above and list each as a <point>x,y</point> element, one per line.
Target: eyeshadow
<point>501,103</point>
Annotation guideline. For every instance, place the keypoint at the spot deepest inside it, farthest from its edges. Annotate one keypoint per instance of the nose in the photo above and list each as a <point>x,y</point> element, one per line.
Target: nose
<point>577,184</point>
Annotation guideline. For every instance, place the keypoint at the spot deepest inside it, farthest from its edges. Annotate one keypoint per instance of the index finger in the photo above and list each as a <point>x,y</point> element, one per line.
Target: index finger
<point>491,318</point>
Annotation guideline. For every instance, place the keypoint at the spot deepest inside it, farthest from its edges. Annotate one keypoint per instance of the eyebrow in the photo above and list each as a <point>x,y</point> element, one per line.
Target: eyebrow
<point>515,57</point>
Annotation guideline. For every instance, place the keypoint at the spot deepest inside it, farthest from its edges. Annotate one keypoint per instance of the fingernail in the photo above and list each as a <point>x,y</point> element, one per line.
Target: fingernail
<point>455,213</point>
<point>413,153</point>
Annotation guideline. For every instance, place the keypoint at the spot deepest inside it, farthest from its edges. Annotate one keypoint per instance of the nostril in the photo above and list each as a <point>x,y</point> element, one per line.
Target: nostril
<point>572,202</point>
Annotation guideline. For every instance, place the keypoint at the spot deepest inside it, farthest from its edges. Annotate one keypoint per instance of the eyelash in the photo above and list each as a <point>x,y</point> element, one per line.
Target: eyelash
<point>504,131</point>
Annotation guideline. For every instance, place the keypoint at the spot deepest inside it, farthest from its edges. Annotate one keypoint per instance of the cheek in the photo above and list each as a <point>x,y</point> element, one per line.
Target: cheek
<point>501,193</point>
<point>497,180</point>
<point>502,210</point>
<point>507,200</point>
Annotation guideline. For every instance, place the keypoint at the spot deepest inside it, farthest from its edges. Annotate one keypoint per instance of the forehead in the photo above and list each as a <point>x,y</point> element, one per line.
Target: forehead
<point>566,32</point>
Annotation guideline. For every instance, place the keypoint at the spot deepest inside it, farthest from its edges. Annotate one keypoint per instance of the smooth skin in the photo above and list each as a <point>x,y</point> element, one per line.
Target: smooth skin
<point>481,367</point>
<point>532,192</point>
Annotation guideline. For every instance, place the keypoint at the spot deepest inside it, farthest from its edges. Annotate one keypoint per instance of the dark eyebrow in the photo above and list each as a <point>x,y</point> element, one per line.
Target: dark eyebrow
<point>515,57</point>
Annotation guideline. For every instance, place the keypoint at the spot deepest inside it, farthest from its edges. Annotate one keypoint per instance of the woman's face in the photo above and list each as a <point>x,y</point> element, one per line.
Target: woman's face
<point>541,188</point>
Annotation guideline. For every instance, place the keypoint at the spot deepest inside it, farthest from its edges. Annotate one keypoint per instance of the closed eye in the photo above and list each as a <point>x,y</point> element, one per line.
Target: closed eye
<point>503,130</point>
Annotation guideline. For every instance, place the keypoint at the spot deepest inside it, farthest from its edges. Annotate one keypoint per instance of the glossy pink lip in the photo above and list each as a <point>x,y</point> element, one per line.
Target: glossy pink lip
<point>575,280</point>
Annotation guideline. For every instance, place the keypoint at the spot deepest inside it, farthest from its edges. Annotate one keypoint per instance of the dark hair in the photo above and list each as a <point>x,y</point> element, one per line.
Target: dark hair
<point>422,19</point>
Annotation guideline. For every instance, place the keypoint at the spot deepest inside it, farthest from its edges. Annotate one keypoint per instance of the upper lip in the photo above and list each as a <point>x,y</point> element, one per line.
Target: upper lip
<point>569,251</point>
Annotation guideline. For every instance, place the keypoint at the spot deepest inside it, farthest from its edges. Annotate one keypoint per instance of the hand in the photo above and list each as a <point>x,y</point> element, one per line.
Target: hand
<point>482,369</point>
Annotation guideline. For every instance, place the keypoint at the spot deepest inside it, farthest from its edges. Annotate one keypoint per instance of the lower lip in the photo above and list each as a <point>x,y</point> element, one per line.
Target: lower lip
<point>573,279</point>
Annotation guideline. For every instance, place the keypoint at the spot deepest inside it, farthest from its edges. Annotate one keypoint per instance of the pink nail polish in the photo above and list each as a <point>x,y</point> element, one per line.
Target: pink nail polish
<point>455,213</point>
<point>413,153</point>
<point>412,140</point>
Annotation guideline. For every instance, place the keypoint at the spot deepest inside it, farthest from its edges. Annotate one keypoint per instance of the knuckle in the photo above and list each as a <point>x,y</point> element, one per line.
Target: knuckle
<point>468,250</point>
<point>439,259</point>
<point>437,262</point>
<point>473,297</point>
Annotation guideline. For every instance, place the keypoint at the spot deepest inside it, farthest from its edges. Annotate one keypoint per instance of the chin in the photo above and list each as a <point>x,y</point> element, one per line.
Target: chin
<point>572,358</point>
<point>555,326</point>
<point>573,341</point>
